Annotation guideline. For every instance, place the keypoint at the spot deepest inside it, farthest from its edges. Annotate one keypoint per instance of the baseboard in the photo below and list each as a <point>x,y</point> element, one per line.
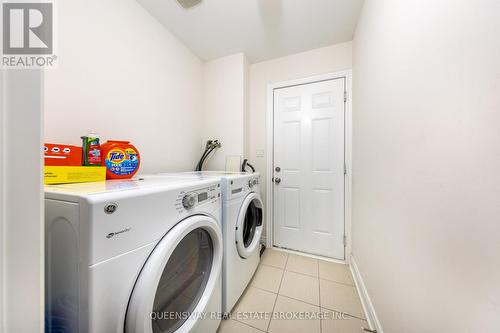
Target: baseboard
<point>371,315</point>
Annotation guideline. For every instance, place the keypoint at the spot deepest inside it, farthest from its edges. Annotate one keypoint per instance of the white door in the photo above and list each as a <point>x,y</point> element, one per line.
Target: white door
<point>309,168</point>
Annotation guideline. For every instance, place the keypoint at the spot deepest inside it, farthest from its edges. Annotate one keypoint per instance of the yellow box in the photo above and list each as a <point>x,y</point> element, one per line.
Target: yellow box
<point>73,174</point>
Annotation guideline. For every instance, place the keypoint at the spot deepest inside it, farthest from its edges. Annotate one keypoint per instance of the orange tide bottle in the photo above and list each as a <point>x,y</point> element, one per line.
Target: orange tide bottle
<point>122,160</point>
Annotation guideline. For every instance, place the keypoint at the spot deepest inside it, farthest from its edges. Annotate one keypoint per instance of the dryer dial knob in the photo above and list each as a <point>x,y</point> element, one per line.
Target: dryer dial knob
<point>189,200</point>
<point>250,184</point>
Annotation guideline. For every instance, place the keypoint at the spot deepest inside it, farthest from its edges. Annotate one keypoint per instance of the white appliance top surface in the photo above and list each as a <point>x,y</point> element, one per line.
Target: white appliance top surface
<point>138,183</point>
<point>210,174</point>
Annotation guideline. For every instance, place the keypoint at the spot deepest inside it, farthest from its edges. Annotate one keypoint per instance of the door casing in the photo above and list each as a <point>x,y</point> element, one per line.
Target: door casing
<point>347,75</point>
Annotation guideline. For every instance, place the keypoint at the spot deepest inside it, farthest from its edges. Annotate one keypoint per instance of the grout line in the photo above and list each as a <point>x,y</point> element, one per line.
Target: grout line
<point>310,255</point>
<point>295,299</point>
<point>345,285</point>
<point>318,276</point>
<point>299,300</point>
<point>248,325</point>
<point>260,288</point>
<point>276,299</point>
<point>271,266</point>
<point>342,283</point>
<point>350,315</point>
<point>302,273</point>
<point>347,314</point>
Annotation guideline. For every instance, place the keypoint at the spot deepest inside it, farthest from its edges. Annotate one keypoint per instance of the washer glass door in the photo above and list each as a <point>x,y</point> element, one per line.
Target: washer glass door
<point>249,225</point>
<point>178,278</point>
<point>183,281</point>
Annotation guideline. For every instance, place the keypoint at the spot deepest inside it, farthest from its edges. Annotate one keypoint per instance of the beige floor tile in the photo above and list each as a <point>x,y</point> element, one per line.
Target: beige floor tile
<point>301,287</point>
<point>233,326</point>
<point>268,278</point>
<point>302,264</point>
<point>292,316</point>
<point>336,323</point>
<point>255,308</point>
<point>274,258</point>
<point>335,272</point>
<point>340,297</point>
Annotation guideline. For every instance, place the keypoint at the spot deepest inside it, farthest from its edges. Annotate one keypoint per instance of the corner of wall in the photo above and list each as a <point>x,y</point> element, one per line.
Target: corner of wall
<point>246,107</point>
<point>225,107</point>
<point>366,302</point>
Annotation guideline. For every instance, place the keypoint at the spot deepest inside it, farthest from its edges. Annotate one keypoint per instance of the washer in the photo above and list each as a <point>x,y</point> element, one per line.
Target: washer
<point>137,256</point>
<point>242,223</point>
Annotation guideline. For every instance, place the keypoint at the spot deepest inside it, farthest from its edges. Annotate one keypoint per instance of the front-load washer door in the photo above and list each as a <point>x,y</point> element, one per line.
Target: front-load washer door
<point>249,226</point>
<point>178,279</point>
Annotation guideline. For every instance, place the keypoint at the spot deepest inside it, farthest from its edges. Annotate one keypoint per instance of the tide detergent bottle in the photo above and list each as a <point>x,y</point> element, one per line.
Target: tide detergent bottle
<point>122,160</point>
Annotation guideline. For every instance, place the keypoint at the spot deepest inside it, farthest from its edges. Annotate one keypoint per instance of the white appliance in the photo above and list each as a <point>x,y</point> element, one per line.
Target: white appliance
<point>135,256</point>
<point>242,223</point>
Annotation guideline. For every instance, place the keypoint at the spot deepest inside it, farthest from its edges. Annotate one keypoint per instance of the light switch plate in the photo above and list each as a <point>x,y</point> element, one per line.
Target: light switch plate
<point>259,152</point>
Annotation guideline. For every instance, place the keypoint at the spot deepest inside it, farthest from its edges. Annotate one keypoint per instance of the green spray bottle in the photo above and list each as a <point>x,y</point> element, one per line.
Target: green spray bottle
<point>91,149</point>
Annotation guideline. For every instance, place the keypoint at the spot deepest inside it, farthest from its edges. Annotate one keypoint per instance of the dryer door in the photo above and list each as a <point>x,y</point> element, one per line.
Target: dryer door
<point>249,226</point>
<point>178,279</point>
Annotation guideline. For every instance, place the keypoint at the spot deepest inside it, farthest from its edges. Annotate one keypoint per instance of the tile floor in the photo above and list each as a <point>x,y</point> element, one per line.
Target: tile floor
<point>292,293</point>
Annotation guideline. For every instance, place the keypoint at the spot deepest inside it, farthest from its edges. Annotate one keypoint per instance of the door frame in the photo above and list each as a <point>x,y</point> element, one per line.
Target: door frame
<point>347,75</point>
<point>21,201</point>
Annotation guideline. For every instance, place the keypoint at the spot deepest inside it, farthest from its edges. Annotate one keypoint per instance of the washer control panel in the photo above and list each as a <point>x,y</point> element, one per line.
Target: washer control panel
<point>241,186</point>
<point>190,199</point>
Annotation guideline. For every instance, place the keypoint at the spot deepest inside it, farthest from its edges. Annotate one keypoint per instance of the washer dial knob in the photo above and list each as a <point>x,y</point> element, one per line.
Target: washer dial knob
<point>250,184</point>
<point>189,200</point>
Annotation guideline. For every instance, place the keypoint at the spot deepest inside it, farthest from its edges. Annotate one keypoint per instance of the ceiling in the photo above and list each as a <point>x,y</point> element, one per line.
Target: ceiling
<point>262,29</point>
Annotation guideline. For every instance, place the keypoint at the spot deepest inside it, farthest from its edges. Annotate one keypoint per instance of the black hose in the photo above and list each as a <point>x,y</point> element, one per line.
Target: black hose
<point>209,148</point>
<point>251,167</point>
<point>199,165</point>
<point>244,166</point>
<point>205,157</point>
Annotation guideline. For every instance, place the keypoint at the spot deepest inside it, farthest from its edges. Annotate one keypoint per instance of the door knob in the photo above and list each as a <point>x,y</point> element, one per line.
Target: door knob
<point>277,180</point>
<point>278,169</point>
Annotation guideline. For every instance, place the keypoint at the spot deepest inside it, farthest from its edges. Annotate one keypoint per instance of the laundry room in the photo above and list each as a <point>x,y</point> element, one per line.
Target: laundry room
<point>323,166</point>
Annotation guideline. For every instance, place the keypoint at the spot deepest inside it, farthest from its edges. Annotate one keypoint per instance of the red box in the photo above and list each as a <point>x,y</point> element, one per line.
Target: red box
<point>62,155</point>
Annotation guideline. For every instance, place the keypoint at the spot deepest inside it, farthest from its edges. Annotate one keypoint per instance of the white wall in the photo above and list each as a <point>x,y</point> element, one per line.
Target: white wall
<point>426,178</point>
<point>318,61</point>
<point>224,103</point>
<point>124,76</point>
<point>21,209</point>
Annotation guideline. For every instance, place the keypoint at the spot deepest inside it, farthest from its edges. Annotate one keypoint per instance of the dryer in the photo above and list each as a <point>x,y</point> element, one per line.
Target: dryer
<point>242,225</point>
<point>134,256</point>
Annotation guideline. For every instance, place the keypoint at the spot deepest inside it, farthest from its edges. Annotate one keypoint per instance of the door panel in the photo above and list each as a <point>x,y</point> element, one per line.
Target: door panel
<point>291,155</point>
<point>292,202</point>
<point>309,150</point>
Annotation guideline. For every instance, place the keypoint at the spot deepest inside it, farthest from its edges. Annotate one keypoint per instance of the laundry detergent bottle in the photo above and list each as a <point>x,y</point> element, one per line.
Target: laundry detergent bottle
<point>122,160</point>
